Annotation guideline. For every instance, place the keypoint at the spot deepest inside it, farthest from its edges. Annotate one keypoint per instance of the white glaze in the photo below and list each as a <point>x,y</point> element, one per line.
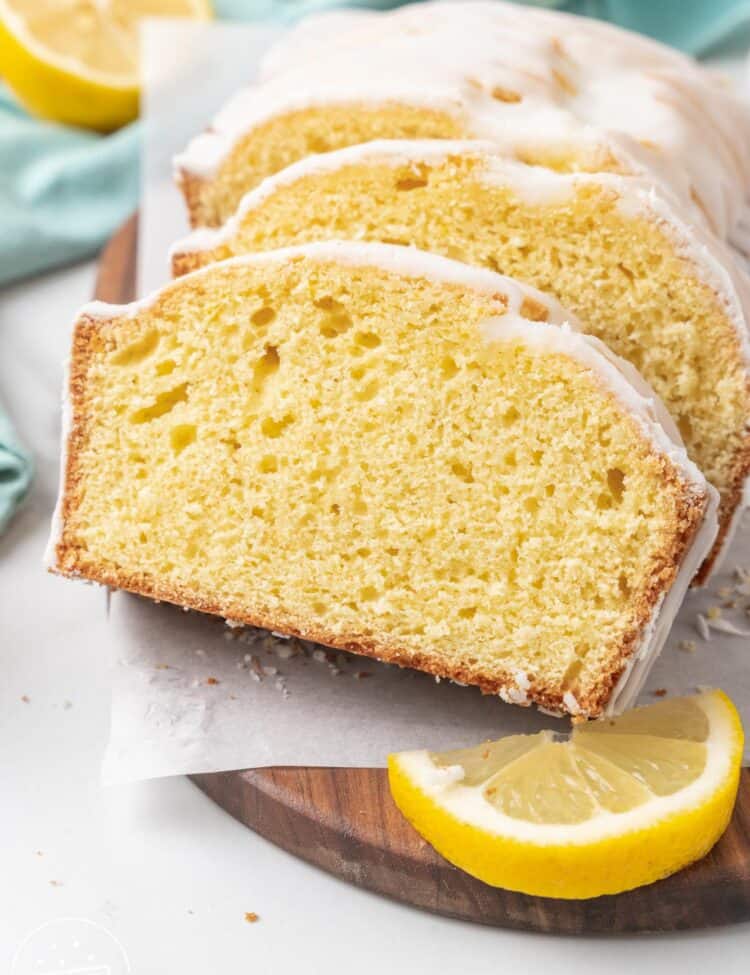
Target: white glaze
<point>66,427</point>
<point>450,56</point>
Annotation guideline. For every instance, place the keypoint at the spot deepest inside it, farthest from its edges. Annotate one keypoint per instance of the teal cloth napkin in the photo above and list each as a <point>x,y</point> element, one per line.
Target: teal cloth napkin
<point>15,471</point>
<point>63,191</point>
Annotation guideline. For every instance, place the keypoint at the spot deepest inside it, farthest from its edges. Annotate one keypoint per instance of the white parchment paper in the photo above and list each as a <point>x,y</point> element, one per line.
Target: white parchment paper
<point>192,695</point>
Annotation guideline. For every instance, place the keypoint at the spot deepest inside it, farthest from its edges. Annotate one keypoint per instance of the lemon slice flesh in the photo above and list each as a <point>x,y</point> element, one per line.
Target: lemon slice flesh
<point>620,803</point>
<point>76,61</point>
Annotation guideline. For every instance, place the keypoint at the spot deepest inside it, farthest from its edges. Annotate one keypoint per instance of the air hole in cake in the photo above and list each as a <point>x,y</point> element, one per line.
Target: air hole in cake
<point>265,367</point>
<point>537,455</point>
<point>510,416</point>
<point>510,459</point>
<point>269,464</point>
<point>136,352</point>
<point>182,436</point>
<point>364,552</point>
<point>531,504</point>
<point>320,608</point>
<point>335,509</point>
<point>142,538</point>
<point>336,320</point>
<point>549,490</point>
<point>368,593</point>
<point>616,483</point>
<point>369,392</point>
<point>165,367</point>
<point>448,367</point>
<point>462,472</point>
<point>369,339</point>
<point>623,584</point>
<point>467,613</point>
<point>274,428</point>
<point>317,144</point>
<point>411,183</point>
<point>263,316</point>
<point>534,310</point>
<point>163,403</point>
<point>604,502</point>
<point>572,673</point>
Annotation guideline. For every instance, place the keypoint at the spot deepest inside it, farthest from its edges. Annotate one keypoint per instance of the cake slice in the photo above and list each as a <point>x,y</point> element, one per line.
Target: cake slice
<point>387,452</point>
<point>668,297</point>
<point>551,89</point>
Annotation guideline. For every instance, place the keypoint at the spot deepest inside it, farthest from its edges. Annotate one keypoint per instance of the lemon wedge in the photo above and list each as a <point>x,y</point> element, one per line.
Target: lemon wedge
<point>76,61</point>
<point>620,803</point>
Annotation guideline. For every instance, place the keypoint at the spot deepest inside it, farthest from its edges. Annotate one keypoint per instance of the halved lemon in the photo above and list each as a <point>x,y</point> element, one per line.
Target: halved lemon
<point>620,803</point>
<point>76,61</point>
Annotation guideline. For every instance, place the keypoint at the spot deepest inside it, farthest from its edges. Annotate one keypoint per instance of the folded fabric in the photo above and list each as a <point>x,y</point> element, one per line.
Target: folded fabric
<point>62,190</point>
<point>15,471</point>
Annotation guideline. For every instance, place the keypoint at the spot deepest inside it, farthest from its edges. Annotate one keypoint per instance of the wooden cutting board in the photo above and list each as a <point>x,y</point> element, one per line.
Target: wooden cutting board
<point>345,821</point>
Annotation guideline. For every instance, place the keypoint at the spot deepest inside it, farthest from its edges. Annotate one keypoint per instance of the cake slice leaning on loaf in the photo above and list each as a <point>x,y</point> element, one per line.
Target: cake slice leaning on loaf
<point>388,452</point>
<point>663,294</point>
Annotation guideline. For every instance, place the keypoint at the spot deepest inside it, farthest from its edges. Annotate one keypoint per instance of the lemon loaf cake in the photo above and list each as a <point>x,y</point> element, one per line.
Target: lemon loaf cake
<point>669,298</point>
<point>551,89</point>
<point>388,452</point>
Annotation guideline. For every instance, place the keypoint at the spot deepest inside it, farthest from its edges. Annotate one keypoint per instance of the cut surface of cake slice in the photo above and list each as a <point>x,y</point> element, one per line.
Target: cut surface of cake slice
<point>390,453</point>
<point>551,89</point>
<point>665,296</point>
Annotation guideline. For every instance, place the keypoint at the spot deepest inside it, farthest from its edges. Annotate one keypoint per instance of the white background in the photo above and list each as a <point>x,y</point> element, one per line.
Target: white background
<point>156,863</point>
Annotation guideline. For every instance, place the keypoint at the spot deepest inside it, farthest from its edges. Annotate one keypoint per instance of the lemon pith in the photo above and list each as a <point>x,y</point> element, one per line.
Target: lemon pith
<point>79,65</point>
<point>599,852</point>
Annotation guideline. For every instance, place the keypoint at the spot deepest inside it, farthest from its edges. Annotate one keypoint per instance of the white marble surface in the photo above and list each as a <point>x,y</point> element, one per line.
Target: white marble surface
<point>156,863</point>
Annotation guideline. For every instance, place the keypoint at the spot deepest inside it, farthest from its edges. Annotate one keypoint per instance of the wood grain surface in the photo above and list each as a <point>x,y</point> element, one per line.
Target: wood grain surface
<point>344,820</point>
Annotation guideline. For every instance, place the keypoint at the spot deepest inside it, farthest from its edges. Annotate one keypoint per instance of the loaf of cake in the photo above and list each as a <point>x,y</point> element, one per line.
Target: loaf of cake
<point>388,452</point>
<point>667,297</point>
<point>550,89</point>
